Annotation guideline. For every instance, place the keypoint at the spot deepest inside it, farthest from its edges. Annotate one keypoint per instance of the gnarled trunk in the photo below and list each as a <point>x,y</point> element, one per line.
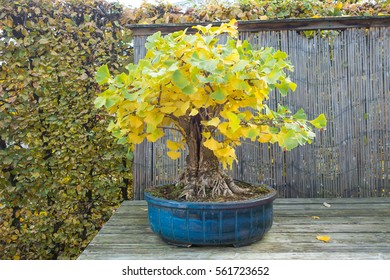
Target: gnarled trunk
<point>202,176</point>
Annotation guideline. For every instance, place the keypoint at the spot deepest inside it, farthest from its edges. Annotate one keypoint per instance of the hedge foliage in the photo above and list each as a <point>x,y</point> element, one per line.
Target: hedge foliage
<point>217,10</point>
<point>61,173</point>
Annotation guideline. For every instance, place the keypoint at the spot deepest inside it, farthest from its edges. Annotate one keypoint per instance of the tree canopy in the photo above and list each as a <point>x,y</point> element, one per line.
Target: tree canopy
<point>224,84</point>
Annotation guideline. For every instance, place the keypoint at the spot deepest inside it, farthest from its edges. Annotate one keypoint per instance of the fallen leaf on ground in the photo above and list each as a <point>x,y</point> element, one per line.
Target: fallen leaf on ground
<point>323,238</point>
<point>326,204</point>
<point>315,217</point>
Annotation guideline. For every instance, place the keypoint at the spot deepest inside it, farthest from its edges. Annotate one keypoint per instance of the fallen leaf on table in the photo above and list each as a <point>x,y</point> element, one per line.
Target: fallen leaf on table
<point>315,217</point>
<point>326,204</point>
<point>323,238</point>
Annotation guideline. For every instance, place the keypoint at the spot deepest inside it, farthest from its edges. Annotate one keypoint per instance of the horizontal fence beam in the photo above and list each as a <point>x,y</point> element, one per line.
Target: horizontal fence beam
<point>298,24</point>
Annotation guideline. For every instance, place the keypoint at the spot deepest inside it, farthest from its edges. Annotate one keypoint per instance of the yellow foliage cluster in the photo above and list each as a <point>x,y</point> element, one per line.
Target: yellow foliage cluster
<point>187,76</point>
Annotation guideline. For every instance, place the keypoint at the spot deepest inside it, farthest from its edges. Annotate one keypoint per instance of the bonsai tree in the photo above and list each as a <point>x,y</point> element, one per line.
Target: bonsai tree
<point>212,95</point>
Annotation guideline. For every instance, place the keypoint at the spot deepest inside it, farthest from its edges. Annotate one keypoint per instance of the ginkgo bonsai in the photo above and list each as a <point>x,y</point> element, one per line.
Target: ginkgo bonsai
<point>212,95</point>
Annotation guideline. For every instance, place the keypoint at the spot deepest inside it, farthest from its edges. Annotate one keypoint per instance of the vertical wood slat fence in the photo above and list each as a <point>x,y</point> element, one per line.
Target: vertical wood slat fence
<point>342,69</point>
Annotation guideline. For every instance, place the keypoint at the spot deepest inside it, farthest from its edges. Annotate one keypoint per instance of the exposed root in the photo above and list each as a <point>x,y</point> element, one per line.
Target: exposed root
<point>188,192</point>
<point>220,187</point>
<point>214,183</point>
<point>233,187</point>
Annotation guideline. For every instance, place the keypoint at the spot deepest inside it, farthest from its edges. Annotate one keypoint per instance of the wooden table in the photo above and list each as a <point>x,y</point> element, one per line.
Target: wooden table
<point>358,228</point>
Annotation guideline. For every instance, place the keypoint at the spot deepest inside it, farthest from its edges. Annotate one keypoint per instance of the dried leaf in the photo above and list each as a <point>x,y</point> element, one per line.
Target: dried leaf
<point>323,238</point>
<point>326,204</point>
<point>315,217</point>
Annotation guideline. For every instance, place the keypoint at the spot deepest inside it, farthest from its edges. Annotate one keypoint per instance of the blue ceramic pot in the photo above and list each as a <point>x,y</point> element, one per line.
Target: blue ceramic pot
<point>235,223</point>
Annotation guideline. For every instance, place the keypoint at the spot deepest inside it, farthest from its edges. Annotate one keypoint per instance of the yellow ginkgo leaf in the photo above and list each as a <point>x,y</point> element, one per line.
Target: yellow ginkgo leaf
<point>323,238</point>
<point>206,135</point>
<point>214,122</point>
<point>212,144</point>
<point>134,121</point>
<point>173,145</point>
<point>194,112</point>
<point>265,138</point>
<point>173,155</point>
<point>168,110</point>
<point>155,135</point>
<point>135,138</point>
<point>184,107</point>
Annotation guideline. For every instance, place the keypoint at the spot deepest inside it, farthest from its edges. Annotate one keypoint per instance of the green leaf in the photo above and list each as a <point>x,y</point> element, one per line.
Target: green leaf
<point>319,122</point>
<point>291,85</point>
<point>251,133</point>
<point>219,94</point>
<point>122,140</point>
<point>280,55</point>
<point>239,84</point>
<point>179,79</point>
<point>287,139</point>
<point>131,96</point>
<point>112,100</point>
<point>44,41</point>
<point>102,75</point>
<point>283,89</point>
<point>234,121</point>
<point>129,155</point>
<point>275,75</point>
<point>190,89</point>
<point>300,115</point>
<point>121,79</point>
<point>107,99</point>
<point>240,65</point>
<point>152,40</point>
<point>100,101</point>
<point>209,65</point>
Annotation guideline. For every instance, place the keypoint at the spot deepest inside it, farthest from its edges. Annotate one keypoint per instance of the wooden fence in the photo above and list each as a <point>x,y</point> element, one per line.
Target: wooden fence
<point>342,69</point>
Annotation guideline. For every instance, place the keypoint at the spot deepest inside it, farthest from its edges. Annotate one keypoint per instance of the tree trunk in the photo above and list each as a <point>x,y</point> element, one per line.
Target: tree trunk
<point>202,176</point>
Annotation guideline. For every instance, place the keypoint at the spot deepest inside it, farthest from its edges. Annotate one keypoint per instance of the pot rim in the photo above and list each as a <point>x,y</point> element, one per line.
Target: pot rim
<point>266,199</point>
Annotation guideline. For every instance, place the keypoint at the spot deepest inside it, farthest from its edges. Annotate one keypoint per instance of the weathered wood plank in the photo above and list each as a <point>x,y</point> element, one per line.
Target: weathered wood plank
<point>249,256</point>
<point>132,239</point>
<point>267,251</point>
<point>293,235</point>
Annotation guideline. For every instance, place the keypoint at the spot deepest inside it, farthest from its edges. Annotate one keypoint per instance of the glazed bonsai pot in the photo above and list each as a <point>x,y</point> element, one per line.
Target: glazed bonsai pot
<point>235,223</point>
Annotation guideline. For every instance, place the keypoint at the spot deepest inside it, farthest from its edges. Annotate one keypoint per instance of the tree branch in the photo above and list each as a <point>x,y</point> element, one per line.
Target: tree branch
<point>159,96</point>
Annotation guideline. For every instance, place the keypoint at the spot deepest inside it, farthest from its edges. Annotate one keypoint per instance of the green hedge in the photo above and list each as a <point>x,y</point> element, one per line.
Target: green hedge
<point>61,173</point>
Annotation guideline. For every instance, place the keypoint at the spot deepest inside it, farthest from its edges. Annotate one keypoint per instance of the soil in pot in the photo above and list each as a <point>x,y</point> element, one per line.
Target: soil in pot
<point>172,192</point>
